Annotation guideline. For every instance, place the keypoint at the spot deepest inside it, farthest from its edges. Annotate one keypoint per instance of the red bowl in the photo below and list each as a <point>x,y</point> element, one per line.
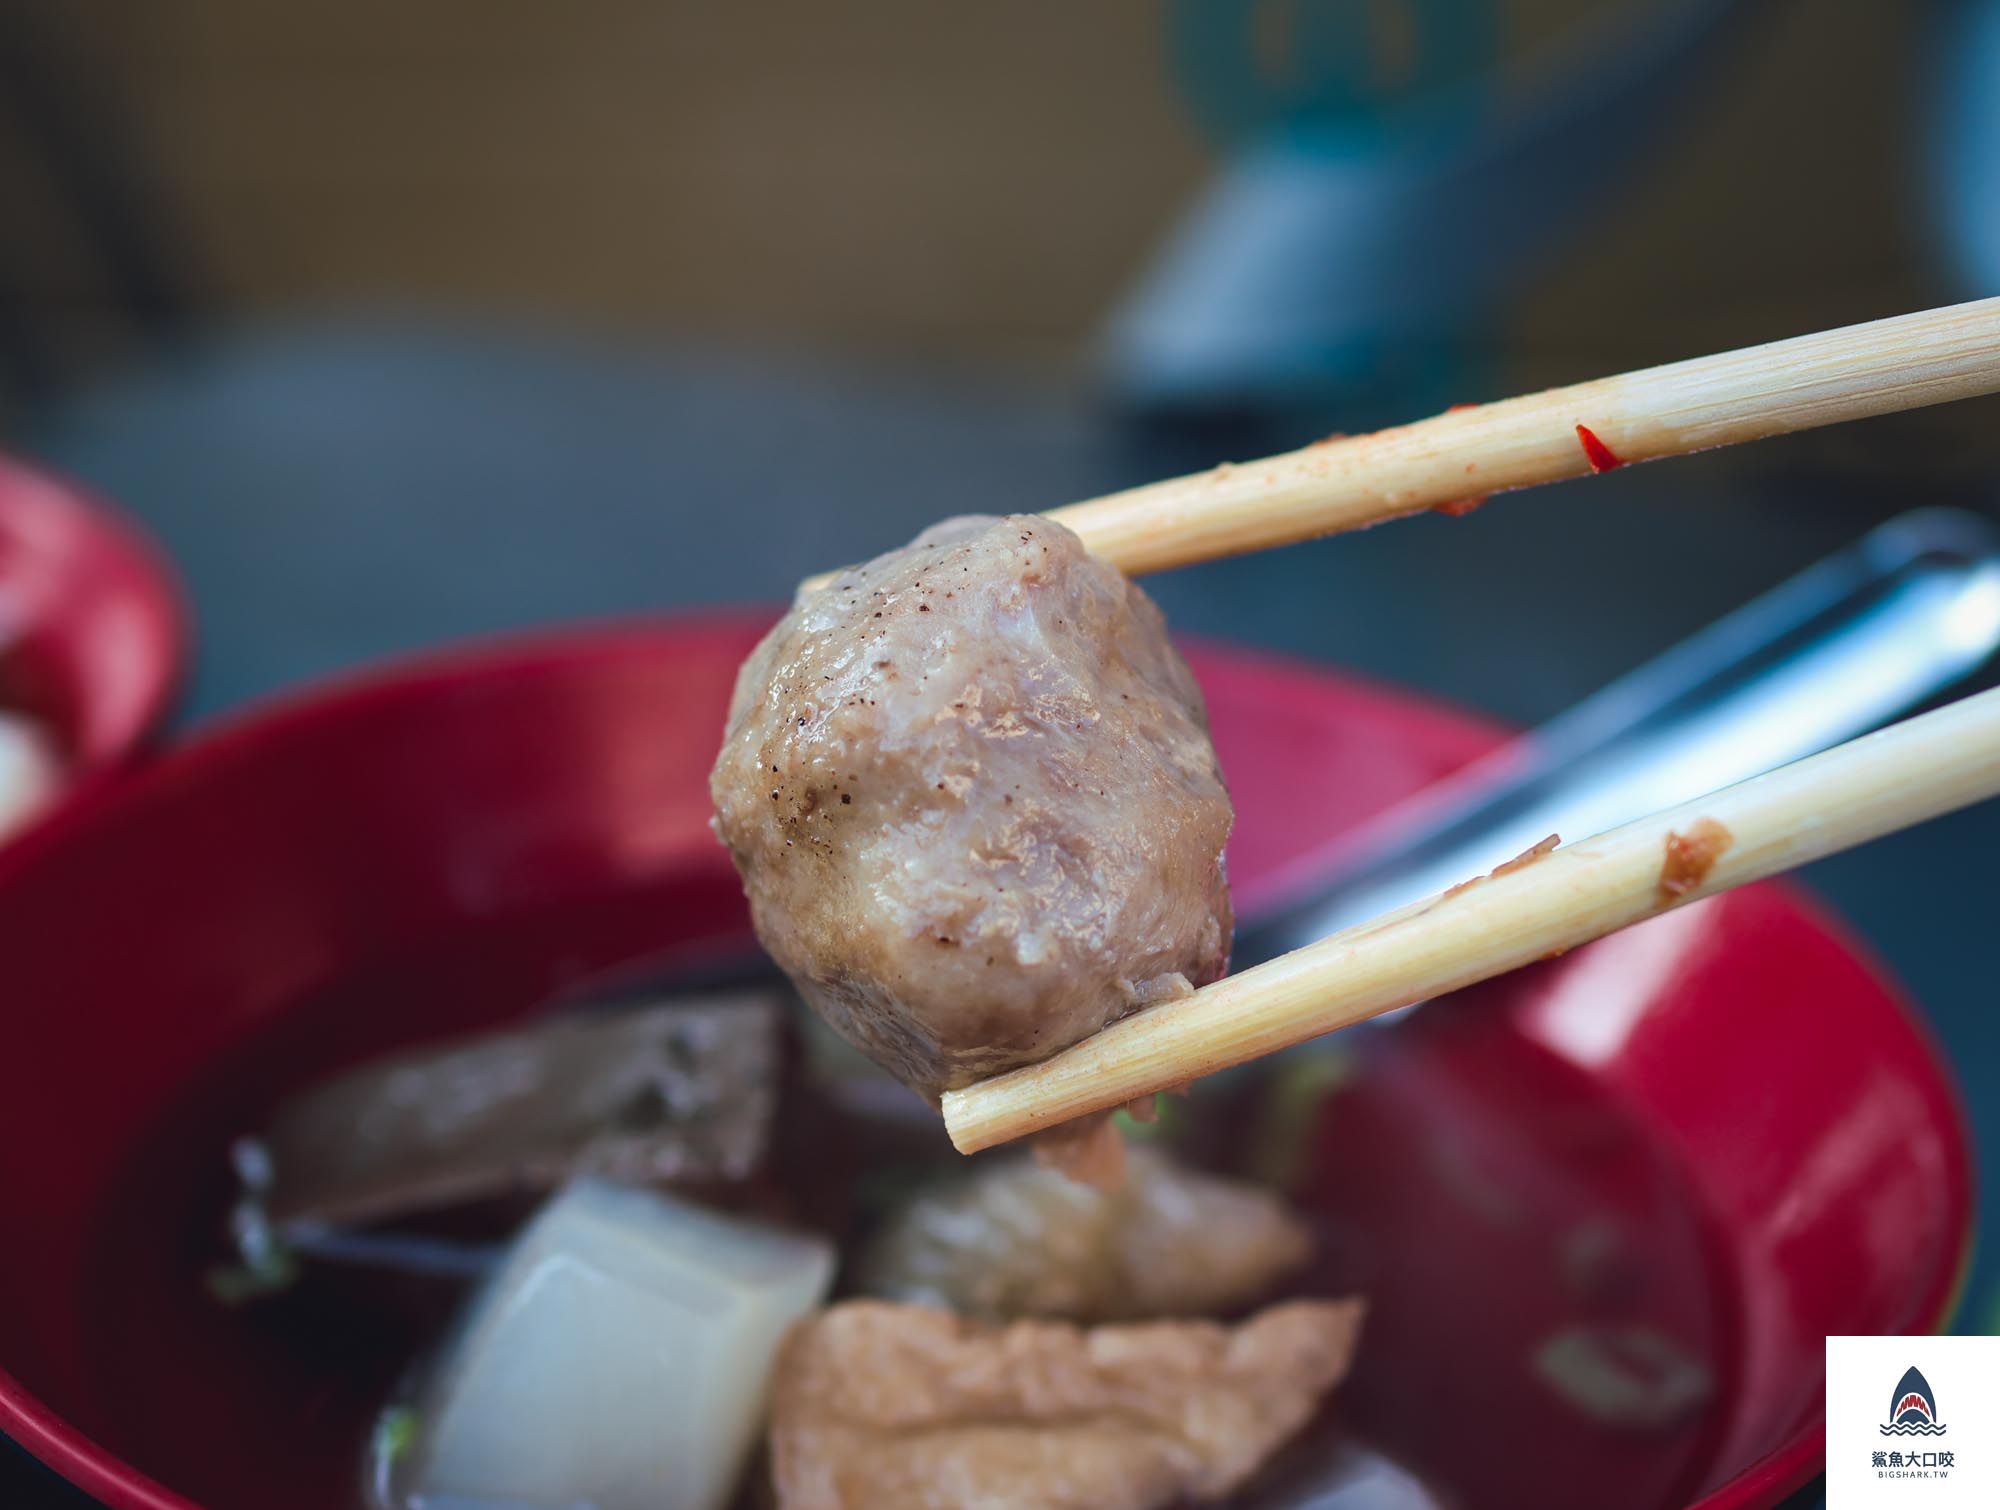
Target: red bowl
<point>92,633</point>
<point>1722,1125</point>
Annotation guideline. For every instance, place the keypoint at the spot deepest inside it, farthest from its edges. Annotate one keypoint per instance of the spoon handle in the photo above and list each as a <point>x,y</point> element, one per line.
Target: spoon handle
<point>1881,626</point>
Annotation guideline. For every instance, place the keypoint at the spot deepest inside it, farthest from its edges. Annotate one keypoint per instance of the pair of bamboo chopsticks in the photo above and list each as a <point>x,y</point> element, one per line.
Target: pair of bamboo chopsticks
<point>1900,776</point>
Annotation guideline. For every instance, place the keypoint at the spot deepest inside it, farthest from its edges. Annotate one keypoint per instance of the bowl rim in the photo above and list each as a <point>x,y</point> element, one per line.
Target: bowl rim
<point>1793,1463</point>
<point>79,1459</point>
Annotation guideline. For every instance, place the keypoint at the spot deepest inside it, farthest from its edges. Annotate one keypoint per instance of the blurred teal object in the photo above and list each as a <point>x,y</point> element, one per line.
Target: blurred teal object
<point>1964,143</point>
<point>1370,216</point>
<point>1342,67</point>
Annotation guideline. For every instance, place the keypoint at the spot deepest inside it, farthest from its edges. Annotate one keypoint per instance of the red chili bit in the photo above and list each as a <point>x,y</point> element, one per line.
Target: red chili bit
<point>1602,457</point>
<point>1458,508</point>
<point>1455,408</point>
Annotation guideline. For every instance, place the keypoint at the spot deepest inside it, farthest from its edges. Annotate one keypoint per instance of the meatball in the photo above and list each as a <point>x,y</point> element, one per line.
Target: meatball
<point>970,790</point>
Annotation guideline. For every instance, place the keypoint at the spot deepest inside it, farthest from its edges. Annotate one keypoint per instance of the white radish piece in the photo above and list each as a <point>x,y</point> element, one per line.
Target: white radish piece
<point>619,1358</point>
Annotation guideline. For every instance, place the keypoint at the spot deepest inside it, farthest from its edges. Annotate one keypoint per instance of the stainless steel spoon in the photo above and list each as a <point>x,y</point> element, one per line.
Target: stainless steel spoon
<point>1892,620</point>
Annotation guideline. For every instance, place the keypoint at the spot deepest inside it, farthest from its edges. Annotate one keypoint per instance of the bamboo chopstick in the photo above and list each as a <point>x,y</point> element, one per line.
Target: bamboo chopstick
<point>1888,780</point>
<point>1456,458</point>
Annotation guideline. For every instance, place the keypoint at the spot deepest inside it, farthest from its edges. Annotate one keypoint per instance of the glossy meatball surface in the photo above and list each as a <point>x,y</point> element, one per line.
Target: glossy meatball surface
<point>970,790</point>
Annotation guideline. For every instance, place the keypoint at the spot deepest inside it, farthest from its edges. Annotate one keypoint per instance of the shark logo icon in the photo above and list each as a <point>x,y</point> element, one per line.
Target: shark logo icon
<point>1913,1408</point>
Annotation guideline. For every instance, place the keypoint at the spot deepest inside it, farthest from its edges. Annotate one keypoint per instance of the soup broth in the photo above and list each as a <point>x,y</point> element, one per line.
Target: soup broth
<point>1545,1308</point>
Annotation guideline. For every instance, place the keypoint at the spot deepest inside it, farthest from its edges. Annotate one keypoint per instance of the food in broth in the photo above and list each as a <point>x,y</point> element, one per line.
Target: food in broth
<point>1011,1239</point>
<point>880,1406</point>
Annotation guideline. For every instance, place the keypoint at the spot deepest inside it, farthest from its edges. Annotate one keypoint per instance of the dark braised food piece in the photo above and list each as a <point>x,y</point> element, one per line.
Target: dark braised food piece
<point>681,1093</point>
<point>970,790</point>
<point>894,1407</point>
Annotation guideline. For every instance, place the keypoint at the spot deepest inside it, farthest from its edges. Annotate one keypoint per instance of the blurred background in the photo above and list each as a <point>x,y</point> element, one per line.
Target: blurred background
<point>589,303</point>
<point>400,323</point>
<point>988,190</point>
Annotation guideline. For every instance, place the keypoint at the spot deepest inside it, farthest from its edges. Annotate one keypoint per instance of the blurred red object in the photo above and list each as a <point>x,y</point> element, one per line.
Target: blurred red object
<point>93,636</point>
<point>1727,1102</point>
